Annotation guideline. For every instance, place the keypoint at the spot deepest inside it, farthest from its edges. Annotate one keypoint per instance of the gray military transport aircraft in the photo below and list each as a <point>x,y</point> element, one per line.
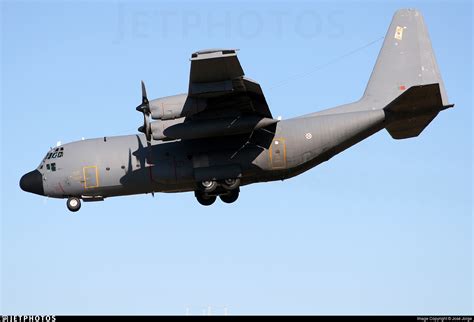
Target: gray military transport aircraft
<point>221,135</point>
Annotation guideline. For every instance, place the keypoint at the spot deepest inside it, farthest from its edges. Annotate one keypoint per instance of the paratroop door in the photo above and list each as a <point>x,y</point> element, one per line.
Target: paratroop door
<point>91,177</point>
<point>278,154</point>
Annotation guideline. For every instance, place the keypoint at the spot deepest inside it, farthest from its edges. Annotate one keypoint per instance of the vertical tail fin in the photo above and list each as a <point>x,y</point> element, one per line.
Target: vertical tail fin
<point>405,60</point>
<point>406,81</point>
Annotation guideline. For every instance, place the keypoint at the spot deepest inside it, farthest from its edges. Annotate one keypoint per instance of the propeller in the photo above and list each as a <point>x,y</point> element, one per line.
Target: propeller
<point>144,108</point>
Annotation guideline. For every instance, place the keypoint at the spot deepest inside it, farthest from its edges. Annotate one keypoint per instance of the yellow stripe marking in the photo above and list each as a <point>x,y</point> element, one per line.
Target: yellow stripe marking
<point>96,177</point>
<point>399,33</point>
<point>270,153</point>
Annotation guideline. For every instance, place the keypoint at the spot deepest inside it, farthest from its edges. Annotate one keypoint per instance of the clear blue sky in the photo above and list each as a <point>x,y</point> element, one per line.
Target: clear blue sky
<point>383,228</point>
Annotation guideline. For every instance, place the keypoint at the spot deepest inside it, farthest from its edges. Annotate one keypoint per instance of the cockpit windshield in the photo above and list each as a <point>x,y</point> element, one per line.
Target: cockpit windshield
<point>51,155</point>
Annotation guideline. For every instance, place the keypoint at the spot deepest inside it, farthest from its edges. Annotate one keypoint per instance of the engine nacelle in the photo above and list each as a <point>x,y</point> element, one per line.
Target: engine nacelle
<point>168,108</point>
<point>178,129</point>
<point>176,106</point>
<point>158,127</point>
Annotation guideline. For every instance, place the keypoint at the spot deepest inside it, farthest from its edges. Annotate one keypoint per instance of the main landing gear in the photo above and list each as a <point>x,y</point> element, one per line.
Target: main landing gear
<point>204,199</point>
<point>230,197</point>
<point>73,204</point>
<point>208,191</point>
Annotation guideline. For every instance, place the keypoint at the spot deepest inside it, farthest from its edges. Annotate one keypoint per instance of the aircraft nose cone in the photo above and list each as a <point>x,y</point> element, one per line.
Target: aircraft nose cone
<point>32,182</point>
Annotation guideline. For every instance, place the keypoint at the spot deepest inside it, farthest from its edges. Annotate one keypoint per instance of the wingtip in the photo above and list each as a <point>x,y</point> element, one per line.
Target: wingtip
<point>214,52</point>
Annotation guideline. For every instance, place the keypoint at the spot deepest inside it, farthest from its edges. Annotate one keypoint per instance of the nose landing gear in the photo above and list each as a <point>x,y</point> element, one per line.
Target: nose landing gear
<point>73,204</point>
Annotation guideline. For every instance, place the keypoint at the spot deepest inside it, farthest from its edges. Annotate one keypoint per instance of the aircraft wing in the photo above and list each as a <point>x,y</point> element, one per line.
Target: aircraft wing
<point>217,83</point>
<point>221,101</point>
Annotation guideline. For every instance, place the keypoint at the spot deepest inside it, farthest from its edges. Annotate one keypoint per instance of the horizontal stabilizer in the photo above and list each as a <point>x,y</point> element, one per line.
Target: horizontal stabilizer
<point>411,112</point>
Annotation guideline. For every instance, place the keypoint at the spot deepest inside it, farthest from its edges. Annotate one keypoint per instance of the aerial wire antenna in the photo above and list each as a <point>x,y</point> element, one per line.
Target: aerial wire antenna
<point>316,68</point>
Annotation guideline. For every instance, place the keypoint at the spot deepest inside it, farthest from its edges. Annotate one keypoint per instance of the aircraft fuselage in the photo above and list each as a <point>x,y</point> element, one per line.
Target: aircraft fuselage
<point>93,169</point>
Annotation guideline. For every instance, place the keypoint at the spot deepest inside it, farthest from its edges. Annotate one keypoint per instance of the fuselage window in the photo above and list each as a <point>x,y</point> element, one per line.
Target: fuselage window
<point>53,166</point>
<point>48,167</point>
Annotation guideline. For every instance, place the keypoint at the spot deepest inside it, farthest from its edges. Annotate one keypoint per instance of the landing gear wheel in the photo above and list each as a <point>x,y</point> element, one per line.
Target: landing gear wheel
<point>73,204</point>
<point>230,197</point>
<point>231,184</point>
<point>208,185</point>
<point>204,199</point>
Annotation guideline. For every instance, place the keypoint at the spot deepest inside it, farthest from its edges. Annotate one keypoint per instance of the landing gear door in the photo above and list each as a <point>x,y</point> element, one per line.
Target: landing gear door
<point>277,154</point>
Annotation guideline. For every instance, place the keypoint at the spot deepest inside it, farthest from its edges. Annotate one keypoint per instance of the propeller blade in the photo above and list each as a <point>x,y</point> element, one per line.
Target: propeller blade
<point>144,96</point>
<point>144,107</point>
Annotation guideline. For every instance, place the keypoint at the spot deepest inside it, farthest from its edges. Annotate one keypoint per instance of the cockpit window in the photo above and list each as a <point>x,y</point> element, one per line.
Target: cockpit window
<point>56,153</point>
<point>53,154</point>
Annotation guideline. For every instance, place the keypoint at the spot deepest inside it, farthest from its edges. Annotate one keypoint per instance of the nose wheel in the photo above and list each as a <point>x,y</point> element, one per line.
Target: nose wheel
<point>73,204</point>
